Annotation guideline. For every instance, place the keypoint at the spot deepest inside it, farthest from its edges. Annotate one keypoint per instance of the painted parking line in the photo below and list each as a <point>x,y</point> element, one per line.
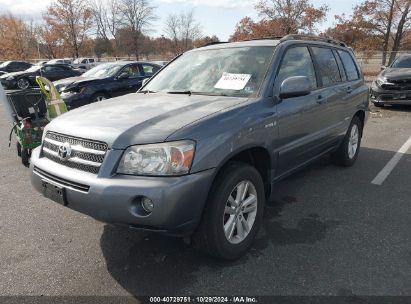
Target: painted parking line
<point>380,178</point>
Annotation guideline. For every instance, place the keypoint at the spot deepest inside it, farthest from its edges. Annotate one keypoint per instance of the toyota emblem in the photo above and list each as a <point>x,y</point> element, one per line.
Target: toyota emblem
<point>64,151</point>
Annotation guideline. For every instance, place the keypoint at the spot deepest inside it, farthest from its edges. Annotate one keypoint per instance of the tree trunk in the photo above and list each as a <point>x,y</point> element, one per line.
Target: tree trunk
<point>388,33</point>
<point>400,32</point>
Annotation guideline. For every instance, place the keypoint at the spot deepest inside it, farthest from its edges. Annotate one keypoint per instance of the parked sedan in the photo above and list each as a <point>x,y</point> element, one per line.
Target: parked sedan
<point>393,85</point>
<point>105,81</point>
<point>13,66</point>
<point>23,80</point>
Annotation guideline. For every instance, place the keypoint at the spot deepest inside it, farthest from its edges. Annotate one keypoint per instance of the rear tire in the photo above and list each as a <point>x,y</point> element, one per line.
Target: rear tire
<point>347,152</point>
<point>25,157</point>
<point>18,147</point>
<point>233,213</point>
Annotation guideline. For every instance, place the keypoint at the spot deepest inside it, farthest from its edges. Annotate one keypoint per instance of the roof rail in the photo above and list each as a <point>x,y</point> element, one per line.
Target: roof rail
<point>313,38</point>
<point>214,43</point>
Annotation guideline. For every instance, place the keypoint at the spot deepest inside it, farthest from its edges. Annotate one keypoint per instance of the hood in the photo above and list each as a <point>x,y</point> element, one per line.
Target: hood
<point>73,81</point>
<point>138,118</point>
<point>14,74</point>
<point>396,73</point>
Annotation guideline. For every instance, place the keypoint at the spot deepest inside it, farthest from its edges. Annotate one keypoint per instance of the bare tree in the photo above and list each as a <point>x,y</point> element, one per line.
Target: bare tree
<point>294,15</point>
<point>137,17</point>
<point>183,30</point>
<point>404,24</point>
<point>72,19</point>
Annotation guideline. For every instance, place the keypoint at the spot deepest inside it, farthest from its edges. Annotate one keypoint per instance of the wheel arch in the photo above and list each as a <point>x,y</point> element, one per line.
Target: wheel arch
<point>361,115</point>
<point>256,156</point>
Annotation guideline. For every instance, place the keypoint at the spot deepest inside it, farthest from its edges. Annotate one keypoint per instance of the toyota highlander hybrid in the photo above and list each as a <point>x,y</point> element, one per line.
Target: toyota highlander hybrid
<point>196,151</point>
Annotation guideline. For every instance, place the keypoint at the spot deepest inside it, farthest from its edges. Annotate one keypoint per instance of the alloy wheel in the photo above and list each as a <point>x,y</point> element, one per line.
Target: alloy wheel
<point>353,141</point>
<point>99,98</point>
<point>240,212</point>
<point>23,84</point>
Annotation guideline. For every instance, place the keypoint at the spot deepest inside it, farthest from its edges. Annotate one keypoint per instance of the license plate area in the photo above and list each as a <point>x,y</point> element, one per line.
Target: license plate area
<point>400,96</point>
<point>54,192</point>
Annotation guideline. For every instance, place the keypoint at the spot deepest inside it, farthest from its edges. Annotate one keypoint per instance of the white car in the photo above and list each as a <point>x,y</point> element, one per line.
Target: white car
<point>84,63</point>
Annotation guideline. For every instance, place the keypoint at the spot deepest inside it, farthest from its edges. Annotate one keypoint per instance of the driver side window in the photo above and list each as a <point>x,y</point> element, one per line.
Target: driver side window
<point>297,62</point>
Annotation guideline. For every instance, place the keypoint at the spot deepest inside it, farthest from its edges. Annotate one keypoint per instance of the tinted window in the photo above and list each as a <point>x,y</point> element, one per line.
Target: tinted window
<point>54,69</point>
<point>91,60</point>
<point>350,67</point>
<point>327,65</point>
<point>132,70</point>
<point>340,66</point>
<point>297,62</point>
<point>149,69</point>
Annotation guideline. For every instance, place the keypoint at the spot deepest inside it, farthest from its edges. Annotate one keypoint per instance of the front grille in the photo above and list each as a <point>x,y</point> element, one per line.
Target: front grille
<point>86,155</point>
<point>398,85</point>
<point>61,181</point>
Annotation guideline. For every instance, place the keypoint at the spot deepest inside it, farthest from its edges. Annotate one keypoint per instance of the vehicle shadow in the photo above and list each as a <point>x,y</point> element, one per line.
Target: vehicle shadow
<point>151,264</point>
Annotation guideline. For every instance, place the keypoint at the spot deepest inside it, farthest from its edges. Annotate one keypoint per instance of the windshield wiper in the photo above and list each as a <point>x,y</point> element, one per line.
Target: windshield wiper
<point>146,91</point>
<point>180,92</point>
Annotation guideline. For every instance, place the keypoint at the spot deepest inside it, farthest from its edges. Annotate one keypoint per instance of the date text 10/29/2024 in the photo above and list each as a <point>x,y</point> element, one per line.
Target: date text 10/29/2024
<point>205,299</point>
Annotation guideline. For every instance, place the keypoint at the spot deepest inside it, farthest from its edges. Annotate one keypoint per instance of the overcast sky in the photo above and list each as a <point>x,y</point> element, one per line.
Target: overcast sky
<point>216,16</point>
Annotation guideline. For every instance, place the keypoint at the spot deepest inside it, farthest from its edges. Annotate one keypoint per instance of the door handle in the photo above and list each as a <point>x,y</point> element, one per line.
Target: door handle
<point>349,90</point>
<point>320,99</point>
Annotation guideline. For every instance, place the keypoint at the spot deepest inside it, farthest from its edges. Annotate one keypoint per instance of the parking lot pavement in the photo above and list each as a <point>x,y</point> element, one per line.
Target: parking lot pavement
<point>328,231</point>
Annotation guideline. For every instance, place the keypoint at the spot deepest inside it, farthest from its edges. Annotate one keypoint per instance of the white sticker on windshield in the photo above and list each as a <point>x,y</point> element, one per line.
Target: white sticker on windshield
<point>232,81</point>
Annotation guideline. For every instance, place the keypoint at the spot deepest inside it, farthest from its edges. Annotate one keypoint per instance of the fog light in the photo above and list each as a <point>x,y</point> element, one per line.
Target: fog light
<point>147,204</point>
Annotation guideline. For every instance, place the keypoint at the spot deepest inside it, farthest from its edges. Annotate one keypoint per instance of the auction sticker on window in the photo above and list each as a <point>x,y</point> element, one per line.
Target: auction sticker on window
<point>232,81</point>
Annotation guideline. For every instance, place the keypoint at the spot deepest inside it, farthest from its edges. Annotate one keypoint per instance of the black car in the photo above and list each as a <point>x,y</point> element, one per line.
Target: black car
<point>23,80</point>
<point>105,81</point>
<point>14,66</point>
<point>393,85</point>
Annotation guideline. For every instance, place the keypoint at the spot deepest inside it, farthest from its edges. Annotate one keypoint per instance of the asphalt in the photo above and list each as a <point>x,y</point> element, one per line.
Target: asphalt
<point>328,231</point>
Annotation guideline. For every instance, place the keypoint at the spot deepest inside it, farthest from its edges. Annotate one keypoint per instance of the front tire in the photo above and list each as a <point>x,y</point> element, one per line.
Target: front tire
<point>233,213</point>
<point>99,97</point>
<point>347,152</point>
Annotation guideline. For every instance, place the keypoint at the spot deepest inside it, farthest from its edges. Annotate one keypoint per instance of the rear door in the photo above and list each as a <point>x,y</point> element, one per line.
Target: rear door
<point>354,93</point>
<point>300,119</point>
<point>333,90</point>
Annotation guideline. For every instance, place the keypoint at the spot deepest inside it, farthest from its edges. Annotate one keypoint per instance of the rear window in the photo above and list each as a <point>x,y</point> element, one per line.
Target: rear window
<point>330,74</point>
<point>349,65</point>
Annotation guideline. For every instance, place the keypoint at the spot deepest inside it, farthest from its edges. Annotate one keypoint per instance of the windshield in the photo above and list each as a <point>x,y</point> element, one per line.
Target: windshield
<point>33,68</point>
<point>4,64</point>
<point>103,70</point>
<point>228,71</point>
<point>404,62</point>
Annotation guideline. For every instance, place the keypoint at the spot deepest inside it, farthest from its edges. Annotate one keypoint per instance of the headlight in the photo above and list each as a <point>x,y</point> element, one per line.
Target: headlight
<point>166,159</point>
<point>73,90</point>
<point>10,78</point>
<point>382,80</point>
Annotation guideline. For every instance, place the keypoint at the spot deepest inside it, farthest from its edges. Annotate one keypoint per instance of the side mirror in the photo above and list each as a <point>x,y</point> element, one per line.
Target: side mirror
<point>294,87</point>
<point>383,67</point>
<point>145,80</point>
<point>123,75</point>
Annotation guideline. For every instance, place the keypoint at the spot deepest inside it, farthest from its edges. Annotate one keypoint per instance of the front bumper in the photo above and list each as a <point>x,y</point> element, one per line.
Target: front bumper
<point>74,101</point>
<point>178,201</point>
<point>9,84</point>
<point>383,96</point>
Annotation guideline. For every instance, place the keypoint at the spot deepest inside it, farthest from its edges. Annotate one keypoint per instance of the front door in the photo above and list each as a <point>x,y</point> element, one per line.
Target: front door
<point>300,119</point>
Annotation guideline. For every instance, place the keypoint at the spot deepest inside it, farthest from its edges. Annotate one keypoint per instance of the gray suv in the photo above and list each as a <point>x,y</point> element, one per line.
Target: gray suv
<point>196,151</point>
